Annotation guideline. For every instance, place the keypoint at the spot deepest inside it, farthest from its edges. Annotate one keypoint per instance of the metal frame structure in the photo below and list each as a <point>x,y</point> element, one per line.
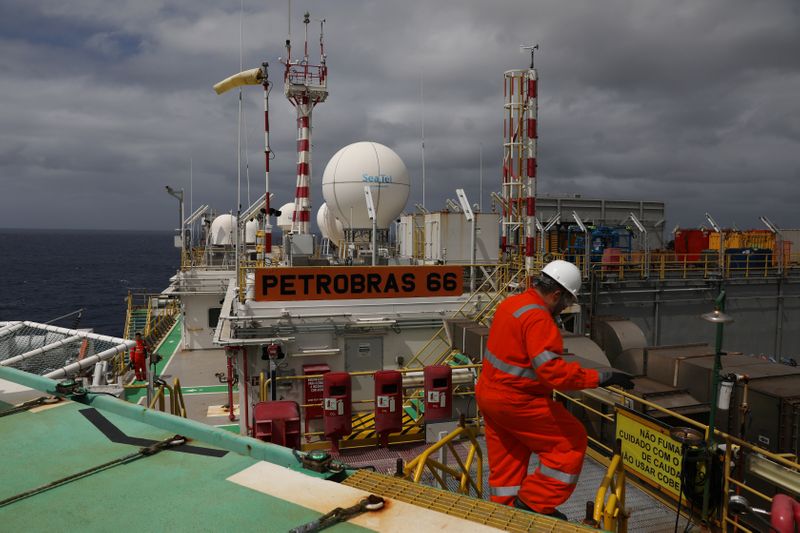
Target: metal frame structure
<point>518,233</point>
<point>67,345</point>
<point>304,85</point>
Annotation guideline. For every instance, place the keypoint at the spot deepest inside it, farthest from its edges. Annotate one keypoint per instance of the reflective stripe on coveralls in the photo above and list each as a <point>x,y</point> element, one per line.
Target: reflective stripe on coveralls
<point>558,475</point>
<point>504,491</point>
<point>525,308</point>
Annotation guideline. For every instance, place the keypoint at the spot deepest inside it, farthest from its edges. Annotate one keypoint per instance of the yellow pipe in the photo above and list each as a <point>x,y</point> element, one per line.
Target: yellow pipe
<point>749,489</point>
<point>600,496</point>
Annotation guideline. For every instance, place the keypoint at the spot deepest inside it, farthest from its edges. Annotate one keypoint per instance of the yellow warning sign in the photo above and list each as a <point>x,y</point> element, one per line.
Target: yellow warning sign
<point>649,451</point>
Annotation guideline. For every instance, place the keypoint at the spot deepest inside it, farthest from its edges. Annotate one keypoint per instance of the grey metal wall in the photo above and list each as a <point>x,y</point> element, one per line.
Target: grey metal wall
<point>609,212</point>
<point>766,312</point>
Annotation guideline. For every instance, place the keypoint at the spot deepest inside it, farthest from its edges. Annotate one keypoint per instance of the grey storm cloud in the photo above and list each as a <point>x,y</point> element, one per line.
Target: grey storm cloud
<point>694,103</point>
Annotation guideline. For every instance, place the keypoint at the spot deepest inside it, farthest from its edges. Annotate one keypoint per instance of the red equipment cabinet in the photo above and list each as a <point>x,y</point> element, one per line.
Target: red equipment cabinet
<point>438,392</point>
<point>337,406</point>
<point>388,404</point>
<point>277,422</point>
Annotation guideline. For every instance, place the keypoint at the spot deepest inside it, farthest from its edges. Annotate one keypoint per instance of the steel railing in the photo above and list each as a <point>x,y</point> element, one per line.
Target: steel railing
<point>415,468</point>
<point>608,510</point>
<point>177,405</point>
<point>730,482</point>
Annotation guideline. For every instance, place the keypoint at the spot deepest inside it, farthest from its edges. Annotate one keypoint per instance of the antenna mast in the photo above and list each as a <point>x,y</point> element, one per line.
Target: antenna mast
<point>518,238</point>
<point>305,85</point>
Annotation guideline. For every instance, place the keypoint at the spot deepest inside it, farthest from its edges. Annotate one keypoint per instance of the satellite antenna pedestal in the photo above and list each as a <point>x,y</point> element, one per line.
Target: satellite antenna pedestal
<point>374,219</point>
<point>470,216</point>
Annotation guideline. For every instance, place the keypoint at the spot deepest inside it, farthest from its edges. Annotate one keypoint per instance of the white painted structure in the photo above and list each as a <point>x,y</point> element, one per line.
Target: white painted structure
<point>448,240</point>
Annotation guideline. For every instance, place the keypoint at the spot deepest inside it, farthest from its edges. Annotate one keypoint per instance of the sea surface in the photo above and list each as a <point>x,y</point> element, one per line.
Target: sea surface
<point>48,273</point>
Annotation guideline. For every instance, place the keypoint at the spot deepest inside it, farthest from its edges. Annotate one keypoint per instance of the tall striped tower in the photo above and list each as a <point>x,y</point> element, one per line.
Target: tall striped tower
<point>305,86</point>
<point>518,232</point>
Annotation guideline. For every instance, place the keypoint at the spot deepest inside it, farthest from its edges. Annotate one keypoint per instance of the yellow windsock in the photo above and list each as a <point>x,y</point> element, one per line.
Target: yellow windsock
<point>247,77</point>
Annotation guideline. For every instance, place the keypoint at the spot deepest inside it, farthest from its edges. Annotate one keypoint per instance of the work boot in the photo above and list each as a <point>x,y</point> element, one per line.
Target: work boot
<point>519,504</point>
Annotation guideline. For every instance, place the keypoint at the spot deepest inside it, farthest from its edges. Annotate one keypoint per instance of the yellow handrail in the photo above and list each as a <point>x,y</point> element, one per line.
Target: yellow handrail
<point>608,512</point>
<point>416,467</point>
<point>611,514</point>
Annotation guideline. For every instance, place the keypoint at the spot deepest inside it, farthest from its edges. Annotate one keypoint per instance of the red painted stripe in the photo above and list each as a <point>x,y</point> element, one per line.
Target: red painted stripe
<point>503,243</point>
<point>530,246</point>
<point>531,167</point>
<point>266,203</point>
<point>266,120</point>
<point>302,169</point>
<point>530,207</point>
<point>268,242</point>
<point>301,192</point>
<point>303,216</point>
<point>532,88</point>
<point>302,145</point>
<point>266,161</point>
<point>302,122</point>
<point>531,128</point>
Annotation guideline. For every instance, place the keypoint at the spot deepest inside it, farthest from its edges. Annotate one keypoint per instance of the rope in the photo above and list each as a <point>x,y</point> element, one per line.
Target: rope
<point>153,449</point>
<point>30,404</point>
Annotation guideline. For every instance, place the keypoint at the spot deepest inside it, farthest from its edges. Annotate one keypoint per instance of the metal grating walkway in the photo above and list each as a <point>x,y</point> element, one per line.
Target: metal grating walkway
<point>647,515</point>
<point>479,511</point>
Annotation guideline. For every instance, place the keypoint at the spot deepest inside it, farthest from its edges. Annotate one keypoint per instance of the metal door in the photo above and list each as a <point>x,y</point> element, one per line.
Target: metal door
<point>363,353</point>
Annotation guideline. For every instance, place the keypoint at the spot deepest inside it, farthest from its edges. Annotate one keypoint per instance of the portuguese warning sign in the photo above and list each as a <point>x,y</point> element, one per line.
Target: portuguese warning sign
<point>648,450</point>
<point>340,283</point>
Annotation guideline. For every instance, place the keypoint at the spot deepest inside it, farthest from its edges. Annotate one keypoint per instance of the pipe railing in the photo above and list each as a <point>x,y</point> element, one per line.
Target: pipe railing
<point>609,503</point>
<point>788,461</point>
<point>415,468</point>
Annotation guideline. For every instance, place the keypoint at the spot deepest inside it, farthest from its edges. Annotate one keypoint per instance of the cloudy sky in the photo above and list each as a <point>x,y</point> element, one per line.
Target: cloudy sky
<point>692,102</point>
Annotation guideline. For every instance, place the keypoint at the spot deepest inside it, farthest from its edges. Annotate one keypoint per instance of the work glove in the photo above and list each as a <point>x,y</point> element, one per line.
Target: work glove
<point>620,379</point>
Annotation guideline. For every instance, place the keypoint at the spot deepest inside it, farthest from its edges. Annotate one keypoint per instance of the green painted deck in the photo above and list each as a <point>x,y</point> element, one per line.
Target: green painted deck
<point>171,490</point>
<point>166,350</point>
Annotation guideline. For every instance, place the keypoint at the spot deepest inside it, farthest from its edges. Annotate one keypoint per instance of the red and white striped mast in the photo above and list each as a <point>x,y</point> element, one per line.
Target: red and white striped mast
<point>531,112</point>
<point>305,86</point>
<point>518,236</point>
<point>267,156</point>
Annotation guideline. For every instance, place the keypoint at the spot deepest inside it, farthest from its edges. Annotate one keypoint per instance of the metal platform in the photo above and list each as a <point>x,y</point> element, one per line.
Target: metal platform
<point>648,515</point>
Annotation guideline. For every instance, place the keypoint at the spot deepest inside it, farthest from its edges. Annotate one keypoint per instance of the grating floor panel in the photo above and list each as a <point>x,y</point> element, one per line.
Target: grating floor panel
<point>480,511</point>
<point>648,515</point>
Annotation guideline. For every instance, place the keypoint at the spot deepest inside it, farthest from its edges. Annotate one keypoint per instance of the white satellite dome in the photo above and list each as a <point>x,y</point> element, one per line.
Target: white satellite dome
<point>360,164</point>
<point>330,226</point>
<point>250,230</point>
<point>285,220</point>
<point>223,230</point>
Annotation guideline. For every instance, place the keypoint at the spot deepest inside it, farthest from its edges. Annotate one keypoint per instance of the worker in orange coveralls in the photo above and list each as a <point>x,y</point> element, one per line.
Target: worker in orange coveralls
<point>522,366</point>
<point>139,357</point>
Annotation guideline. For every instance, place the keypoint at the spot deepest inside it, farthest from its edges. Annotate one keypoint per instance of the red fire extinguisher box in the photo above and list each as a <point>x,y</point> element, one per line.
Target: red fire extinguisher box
<point>388,404</point>
<point>438,392</point>
<point>337,406</point>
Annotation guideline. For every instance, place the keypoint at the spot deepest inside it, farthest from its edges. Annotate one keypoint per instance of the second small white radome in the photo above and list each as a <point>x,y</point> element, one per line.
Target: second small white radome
<point>330,227</point>
<point>365,164</point>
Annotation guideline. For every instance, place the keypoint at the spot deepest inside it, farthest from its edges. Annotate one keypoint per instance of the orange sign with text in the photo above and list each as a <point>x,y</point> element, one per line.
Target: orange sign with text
<point>357,282</point>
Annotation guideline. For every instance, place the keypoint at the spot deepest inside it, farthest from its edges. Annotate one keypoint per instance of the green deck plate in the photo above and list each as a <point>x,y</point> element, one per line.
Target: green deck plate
<point>213,389</point>
<point>167,491</point>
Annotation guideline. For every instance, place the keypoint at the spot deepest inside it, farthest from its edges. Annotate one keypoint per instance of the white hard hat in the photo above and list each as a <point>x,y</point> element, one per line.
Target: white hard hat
<point>566,274</point>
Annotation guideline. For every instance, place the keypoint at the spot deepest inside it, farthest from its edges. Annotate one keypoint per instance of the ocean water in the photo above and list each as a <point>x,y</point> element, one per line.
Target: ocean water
<point>48,273</point>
